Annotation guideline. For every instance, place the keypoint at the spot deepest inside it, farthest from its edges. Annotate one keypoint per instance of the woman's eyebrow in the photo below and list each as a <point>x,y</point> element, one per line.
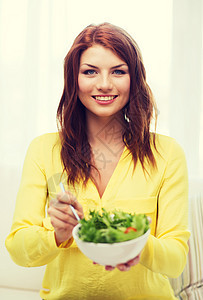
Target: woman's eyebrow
<point>115,67</point>
<point>118,66</point>
<point>91,66</point>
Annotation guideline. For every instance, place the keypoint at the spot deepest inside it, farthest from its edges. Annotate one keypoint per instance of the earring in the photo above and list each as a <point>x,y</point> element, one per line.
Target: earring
<point>125,116</point>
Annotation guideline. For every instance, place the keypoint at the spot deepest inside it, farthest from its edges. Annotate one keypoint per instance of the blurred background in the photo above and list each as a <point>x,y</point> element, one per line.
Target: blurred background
<point>35,36</point>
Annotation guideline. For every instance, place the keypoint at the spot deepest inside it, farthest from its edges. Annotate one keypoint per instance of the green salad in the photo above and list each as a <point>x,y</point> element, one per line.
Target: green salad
<point>112,227</point>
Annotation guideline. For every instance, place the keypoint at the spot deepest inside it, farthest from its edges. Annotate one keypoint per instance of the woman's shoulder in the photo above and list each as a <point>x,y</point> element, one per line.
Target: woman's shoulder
<point>168,146</point>
<point>47,138</point>
<point>45,141</point>
<point>163,140</point>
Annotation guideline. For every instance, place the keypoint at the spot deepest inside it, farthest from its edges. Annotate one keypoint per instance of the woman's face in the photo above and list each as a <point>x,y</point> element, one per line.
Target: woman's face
<point>104,82</point>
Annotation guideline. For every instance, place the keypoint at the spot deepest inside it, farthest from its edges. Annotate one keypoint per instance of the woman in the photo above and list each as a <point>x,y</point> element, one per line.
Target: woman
<point>107,158</point>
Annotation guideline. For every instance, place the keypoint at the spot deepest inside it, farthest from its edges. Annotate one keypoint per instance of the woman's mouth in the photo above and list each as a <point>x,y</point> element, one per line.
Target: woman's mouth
<point>105,99</point>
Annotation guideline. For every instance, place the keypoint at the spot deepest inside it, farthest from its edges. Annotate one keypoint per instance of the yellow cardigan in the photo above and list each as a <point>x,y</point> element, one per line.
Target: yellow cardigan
<point>69,274</point>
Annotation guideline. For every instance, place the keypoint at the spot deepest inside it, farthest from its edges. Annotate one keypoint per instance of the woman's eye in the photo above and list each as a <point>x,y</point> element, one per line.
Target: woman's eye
<point>119,72</point>
<point>89,72</point>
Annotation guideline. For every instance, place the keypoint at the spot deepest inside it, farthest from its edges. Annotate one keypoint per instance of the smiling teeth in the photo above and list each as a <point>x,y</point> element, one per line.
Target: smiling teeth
<point>106,98</point>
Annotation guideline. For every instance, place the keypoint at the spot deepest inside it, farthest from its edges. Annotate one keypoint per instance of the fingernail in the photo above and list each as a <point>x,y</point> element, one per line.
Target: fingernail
<point>109,268</point>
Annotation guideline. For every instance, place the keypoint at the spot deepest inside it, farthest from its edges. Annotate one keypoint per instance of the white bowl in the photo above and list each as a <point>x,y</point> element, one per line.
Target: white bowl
<point>111,254</point>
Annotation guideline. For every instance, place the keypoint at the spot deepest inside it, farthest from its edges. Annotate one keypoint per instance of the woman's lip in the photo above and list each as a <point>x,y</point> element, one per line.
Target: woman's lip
<point>105,102</point>
<point>94,96</point>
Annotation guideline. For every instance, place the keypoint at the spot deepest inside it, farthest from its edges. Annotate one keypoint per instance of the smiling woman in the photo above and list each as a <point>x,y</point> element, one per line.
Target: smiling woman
<point>108,159</point>
<point>91,71</point>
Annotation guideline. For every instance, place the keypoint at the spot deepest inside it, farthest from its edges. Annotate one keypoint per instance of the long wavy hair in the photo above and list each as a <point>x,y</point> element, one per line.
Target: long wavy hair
<point>76,153</point>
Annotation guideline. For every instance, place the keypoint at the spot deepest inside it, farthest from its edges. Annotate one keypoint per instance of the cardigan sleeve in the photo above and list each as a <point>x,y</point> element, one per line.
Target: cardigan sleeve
<point>166,252</point>
<point>31,241</point>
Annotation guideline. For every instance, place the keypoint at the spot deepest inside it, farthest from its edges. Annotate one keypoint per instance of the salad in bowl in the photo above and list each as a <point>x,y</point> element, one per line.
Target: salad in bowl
<point>111,238</point>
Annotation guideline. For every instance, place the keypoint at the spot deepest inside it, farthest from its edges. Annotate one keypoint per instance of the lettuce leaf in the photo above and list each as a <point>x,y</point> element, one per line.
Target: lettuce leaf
<point>111,227</point>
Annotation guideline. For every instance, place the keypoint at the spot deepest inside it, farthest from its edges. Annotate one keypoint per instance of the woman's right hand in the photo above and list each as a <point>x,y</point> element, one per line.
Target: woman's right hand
<point>62,217</point>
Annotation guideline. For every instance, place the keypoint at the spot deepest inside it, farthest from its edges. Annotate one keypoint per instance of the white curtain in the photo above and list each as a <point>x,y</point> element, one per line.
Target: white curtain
<point>186,97</point>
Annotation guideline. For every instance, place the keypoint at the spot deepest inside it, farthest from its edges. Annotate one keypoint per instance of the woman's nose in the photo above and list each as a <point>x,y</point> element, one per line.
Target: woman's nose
<point>104,83</point>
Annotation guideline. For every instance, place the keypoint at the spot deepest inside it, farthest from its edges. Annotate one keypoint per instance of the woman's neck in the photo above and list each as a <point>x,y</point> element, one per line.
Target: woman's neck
<point>106,131</point>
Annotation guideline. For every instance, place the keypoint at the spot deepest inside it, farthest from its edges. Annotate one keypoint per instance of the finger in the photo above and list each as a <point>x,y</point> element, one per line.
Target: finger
<point>65,217</point>
<point>60,225</point>
<point>123,267</point>
<point>60,206</point>
<point>53,202</point>
<point>70,199</point>
<point>109,268</point>
<point>64,207</point>
<point>66,197</point>
<point>133,261</point>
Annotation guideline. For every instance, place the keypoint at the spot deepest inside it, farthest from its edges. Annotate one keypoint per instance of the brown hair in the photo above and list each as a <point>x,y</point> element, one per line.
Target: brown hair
<point>76,151</point>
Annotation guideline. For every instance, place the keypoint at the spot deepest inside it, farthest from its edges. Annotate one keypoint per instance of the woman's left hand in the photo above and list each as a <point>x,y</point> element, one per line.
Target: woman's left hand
<point>126,266</point>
